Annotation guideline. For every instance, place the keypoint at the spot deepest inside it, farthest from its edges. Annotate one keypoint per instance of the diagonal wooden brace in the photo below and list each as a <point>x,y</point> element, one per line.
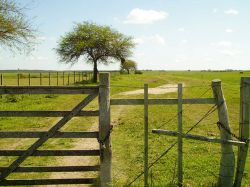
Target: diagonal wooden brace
<point>46,136</point>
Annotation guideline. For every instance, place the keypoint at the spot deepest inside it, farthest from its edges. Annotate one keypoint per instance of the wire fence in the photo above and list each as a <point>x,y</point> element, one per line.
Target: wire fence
<point>49,78</point>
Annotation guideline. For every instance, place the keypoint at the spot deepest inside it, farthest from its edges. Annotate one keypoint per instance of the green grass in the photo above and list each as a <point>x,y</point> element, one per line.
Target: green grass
<point>201,160</point>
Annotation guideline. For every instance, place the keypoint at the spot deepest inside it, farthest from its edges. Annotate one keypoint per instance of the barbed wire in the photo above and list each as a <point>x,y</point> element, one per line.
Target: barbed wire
<point>209,112</point>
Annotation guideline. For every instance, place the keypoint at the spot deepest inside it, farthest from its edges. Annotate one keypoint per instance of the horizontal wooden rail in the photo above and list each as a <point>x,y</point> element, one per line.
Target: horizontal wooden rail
<point>161,101</point>
<point>197,137</point>
<point>47,182</point>
<point>45,113</point>
<point>48,89</point>
<point>55,169</point>
<point>52,153</point>
<point>58,134</point>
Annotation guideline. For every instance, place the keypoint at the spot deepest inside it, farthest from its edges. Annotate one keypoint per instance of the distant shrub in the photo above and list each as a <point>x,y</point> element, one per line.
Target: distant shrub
<point>138,72</point>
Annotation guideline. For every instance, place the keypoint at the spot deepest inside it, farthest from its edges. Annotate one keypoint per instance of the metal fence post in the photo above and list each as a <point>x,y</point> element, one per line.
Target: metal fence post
<point>104,130</point>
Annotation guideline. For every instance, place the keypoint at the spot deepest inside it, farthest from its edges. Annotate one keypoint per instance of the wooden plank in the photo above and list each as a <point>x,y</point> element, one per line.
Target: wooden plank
<point>55,169</point>
<point>105,130</point>
<point>227,162</point>
<point>243,128</point>
<point>48,89</point>
<point>161,101</point>
<point>180,142</point>
<point>45,113</point>
<point>47,181</point>
<point>51,153</point>
<point>198,137</point>
<point>49,134</point>
<point>57,134</point>
<point>145,135</point>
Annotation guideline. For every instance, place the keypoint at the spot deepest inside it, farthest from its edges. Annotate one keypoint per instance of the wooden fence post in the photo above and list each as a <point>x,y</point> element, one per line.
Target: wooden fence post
<point>63,77</point>
<point>18,81</point>
<point>49,78</point>
<point>227,162</point>
<point>57,81</point>
<point>74,77</point>
<point>145,135</point>
<point>243,128</point>
<point>1,79</point>
<point>180,155</point>
<point>104,130</point>
<point>29,79</point>
<point>40,79</point>
<point>68,77</point>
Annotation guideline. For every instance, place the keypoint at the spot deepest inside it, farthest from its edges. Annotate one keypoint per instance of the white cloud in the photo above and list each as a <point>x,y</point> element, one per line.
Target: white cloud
<point>140,16</point>
<point>215,10</point>
<point>42,38</point>
<point>181,29</point>
<point>231,12</point>
<point>228,30</point>
<point>231,52</point>
<point>40,58</point>
<point>139,54</point>
<point>222,44</point>
<point>153,39</point>
<point>180,59</point>
<point>138,40</point>
<point>184,41</point>
<point>157,39</point>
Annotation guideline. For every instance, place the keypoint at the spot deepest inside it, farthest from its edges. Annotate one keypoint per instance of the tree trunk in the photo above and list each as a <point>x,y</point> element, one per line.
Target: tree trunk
<point>95,70</point>
<point>128,71</point>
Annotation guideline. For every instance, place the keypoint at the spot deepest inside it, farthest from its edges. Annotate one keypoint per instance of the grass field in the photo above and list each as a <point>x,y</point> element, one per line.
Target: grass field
<point>201,160</point>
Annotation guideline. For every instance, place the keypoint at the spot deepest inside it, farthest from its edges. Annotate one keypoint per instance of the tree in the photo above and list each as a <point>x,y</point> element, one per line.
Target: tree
<point>95,43</point>
<point>128,65</point>
<point>15,30</point>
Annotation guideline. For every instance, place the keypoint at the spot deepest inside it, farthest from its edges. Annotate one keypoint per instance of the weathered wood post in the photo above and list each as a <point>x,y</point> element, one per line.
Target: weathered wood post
<point>180,156</point>
<point>29,79</point>
<point>57,80</point>
<point>68,77</point>
<point>74,77</point>
<point>40,79</point>
<point>1,79</point>
<point>18,79</point>
<point>49,78</point>
<point>243,129</point>
<point>227,162</point>
<point>105,130</point>
<point>145,135</point>
<point>63,78</point>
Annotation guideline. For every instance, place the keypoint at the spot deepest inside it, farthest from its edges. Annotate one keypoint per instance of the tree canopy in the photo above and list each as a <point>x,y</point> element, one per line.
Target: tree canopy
<point>128,65</point>
<point>15,30</point>
<point>95,43</point>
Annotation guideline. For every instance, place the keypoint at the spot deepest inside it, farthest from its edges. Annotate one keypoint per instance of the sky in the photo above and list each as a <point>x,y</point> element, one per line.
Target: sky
<point>169,34</point>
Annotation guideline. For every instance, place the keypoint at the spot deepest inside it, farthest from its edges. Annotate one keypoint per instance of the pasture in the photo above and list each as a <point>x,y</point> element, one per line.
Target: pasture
<point>201,160</point>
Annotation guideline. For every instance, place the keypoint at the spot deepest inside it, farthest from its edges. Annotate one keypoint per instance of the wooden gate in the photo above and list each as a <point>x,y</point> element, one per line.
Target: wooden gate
<point>54,132</point>
<point>219,103</point>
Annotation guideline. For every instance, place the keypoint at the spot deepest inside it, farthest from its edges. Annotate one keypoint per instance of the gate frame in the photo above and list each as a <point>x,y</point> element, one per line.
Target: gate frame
<point>104,124</point>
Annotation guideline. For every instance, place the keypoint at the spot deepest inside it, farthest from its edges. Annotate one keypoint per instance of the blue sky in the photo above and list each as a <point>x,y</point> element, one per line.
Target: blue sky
<point>170,34</point>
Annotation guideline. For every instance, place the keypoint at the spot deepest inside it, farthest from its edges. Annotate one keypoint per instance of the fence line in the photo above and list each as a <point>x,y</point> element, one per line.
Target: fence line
<point>45,78</point>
